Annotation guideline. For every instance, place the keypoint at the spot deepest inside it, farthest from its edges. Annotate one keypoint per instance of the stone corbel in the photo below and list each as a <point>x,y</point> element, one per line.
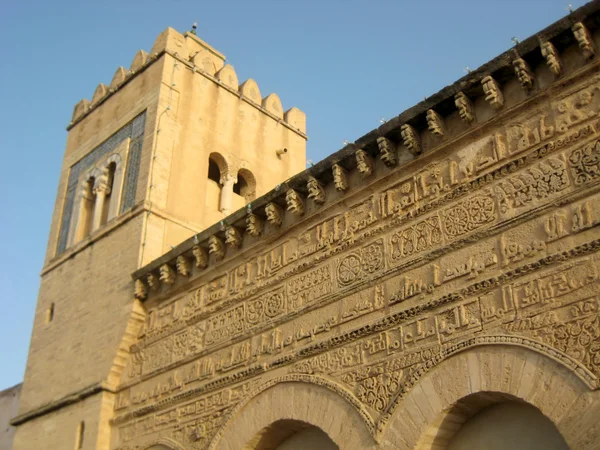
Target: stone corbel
<point>550,53</point>
<point>435,123</point>
<point>183,266</point>
<point>364,163</point>
<point>140,290</point>
<point>201,260</point>
<point>340,180</point>
<point>315,190</point>
<point>522,71</point>
<point>233,237</point>
<point>254,225</point>
<point>410,137</point>
<point>387,151</point>
<point>153,281</point>
<point>167,275</point>
<point>295,203</point>
<point>216,247</point>
<point>274,214</point>
<point>465,107</point>
<point>493,94</point>
<point>584,40</point>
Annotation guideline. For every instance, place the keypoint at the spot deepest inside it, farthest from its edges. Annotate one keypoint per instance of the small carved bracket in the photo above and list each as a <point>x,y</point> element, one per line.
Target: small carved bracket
<point>411,138</point>
<point>364,163</point>
<point>465,107</point>
<point>233,237</point>
<point>254,225</point>
<point>315,190</point>
<point>167,275</point>
<point>435,123</point>
<point>183,266</point>
<point>294,201</point>
<point>584,40</point>
<point>550,53</point>
<point>201,260</point>
<point>340,180</point>
<point>216,247</point>
<point>387,151</point>
<point>493,94</point>
<point>522,71</point>
<point>274,214</point>
<point>140,291</point>
<point>153,282</point>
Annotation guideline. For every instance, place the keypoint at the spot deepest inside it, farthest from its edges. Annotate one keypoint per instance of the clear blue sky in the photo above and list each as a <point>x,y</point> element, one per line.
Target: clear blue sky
<point>346,63</point>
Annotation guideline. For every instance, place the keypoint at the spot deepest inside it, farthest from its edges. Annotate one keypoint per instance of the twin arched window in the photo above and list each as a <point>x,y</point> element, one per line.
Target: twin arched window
<point>243,185</point>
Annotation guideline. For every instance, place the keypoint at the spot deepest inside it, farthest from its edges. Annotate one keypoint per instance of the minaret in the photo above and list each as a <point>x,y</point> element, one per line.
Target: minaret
<point>169,147</point>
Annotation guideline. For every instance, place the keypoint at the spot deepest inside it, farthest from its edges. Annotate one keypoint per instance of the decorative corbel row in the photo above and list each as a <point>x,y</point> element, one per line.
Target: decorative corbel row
<point>153,281</point>
<point>493,94</point>
<point>435,123</point>
<point>254,225</point>
<point>295,203</point>
<point>552,59</point>
<point>183,266</point>
<point>200,257</point>
<point>274,214</point>
<point>340,180</point>
<point>315,190</point>
<point>386,151</point>
<point>522,71</point>
<point>216,247</point>
<point>410,137</point>
<point>364,163</point>
<point>465,107</point>
<point>233,237</point>
<point>584,40</point>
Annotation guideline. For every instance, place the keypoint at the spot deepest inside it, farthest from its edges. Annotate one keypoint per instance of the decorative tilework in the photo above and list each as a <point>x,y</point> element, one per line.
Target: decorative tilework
<point>133,130</point>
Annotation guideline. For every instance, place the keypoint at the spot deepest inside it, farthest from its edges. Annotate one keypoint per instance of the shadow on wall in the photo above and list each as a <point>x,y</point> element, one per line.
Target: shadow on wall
<point>291,435</point>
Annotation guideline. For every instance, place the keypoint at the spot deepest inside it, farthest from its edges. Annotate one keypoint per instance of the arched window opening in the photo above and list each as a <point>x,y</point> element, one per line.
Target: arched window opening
<point>246,185</point>
<point>108,192</point>
<point>86,209</point>
<point>289,434</point>
<point>79,435</point>
<point>50,313</point>
<point>214,173</point>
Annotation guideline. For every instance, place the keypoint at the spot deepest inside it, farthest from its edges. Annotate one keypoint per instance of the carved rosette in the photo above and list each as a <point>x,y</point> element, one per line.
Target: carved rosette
<point>386,151</point>
<point>140,291</point>
<point>153,281</point>
<point>493,94</point>
<point>274,214</point>
<point>167,275</point>
<point>364,163</point>
<point>295,203</point>
<point>465,107</point>
<point>523,73</point>
<point>550,53</point>
<point>183,266</point>
<point>340,179</point>
<point>435,123</point>
<point>233,237</point>
<point>584,40</point>
<point>254,225</point>
<point>216,247</point>
<point>201,260</point>
<point>315,190</point>
<point>411,139</point>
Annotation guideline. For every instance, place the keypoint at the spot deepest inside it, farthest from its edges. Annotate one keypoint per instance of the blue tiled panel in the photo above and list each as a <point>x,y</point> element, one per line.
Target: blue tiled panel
<point>133,130</point>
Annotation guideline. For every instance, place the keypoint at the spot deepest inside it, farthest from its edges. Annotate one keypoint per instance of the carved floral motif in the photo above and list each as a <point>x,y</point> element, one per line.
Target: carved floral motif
<point>469,215</point>
<point>585,163</point>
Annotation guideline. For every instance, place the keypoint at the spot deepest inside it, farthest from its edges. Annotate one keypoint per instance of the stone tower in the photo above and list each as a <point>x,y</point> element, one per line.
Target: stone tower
<point>169,147</point>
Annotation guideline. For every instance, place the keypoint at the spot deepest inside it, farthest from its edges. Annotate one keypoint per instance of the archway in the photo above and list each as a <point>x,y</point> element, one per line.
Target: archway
<point>288,434</point>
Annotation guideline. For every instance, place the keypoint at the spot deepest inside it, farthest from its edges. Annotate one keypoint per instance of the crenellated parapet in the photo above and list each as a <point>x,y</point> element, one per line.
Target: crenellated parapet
<point>525,72</point>
<point>202,59</point>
